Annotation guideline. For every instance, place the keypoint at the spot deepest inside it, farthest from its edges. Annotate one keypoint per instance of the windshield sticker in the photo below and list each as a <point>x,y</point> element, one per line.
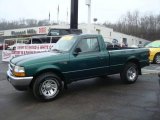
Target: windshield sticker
<point>67,37</point>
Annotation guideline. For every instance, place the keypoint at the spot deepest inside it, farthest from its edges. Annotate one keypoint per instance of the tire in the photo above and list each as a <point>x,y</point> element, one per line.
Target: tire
<point>156,59</point>
<point>47,87</point>
<point>130,73</point>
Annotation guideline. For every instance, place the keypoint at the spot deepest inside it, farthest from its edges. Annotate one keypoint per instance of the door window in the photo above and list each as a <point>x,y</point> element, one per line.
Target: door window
<point>88,45</point>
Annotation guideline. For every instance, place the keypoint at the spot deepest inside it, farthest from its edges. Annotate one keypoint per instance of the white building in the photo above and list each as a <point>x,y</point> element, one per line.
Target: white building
<point>107,33</point>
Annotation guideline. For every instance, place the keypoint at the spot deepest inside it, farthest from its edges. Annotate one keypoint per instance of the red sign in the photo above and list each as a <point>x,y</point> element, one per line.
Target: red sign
<point>42,30</point>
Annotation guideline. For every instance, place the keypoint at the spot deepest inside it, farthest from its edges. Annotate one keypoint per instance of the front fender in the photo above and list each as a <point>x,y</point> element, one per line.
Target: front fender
<point>42,68</point>
<point>49,68</point>
<point>33,70</point>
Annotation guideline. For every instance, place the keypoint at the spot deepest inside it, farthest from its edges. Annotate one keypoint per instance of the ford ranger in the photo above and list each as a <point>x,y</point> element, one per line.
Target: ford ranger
<point>73,58</point>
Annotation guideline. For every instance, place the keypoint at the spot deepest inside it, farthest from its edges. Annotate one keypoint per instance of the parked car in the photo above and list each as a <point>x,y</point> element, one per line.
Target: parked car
<point>154,48</point>
<point>63,31</point>
<point>1,46</point>
<point>57,33</point>
<point>146,44</point>
<point>5,47</point>
<point>13,47</point>
<point>73,58</point>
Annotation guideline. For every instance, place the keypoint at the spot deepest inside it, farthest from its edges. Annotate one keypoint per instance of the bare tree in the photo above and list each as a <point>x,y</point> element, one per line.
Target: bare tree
<point>146,26</point>
<point>31,22</point>
<point>22,23</point>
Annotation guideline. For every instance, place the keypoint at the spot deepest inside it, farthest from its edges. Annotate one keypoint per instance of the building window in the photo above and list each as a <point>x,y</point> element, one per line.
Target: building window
<point>140,42</point>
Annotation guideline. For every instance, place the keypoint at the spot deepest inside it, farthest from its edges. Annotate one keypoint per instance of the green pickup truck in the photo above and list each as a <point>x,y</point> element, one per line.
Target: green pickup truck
<point>73,58</point>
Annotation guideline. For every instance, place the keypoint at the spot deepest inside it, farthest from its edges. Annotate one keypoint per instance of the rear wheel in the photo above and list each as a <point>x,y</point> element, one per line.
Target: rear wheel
<point>157,58</point>
<point>130,73</point>
<point>47,87</point>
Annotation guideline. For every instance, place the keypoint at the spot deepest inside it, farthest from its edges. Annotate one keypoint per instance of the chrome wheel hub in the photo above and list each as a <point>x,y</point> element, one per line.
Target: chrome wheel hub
<point>131,74</point>
<point>49,88</point>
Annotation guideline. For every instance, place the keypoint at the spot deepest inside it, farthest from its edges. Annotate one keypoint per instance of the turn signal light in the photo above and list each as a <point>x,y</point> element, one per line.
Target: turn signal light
<point>19,74</point>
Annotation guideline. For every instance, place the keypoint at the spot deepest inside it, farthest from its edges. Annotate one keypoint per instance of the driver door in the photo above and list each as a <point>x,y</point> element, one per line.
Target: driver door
<point>89,62</point>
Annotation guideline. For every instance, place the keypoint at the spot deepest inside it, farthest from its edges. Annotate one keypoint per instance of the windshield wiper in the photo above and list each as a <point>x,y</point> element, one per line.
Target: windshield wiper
<point>57,50</point>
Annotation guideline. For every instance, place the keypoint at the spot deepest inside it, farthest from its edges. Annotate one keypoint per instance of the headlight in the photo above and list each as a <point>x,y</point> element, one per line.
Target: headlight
<point>19,71</point>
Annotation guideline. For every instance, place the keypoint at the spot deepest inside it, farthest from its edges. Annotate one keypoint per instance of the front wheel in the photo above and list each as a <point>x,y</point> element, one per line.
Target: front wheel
<point>130,73</point>
<point>157,58</point>
<point>47,87</point>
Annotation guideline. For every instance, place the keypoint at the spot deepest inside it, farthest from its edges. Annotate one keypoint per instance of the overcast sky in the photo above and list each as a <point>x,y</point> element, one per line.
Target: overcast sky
<point>103,10</point>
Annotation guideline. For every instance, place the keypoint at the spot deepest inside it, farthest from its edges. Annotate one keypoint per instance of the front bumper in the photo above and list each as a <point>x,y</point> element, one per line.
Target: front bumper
<point>20,83</point>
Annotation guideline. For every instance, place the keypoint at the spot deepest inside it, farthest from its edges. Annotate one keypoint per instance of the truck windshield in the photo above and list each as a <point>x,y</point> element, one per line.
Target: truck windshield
<point>155,44</point>
<point>65,43</point>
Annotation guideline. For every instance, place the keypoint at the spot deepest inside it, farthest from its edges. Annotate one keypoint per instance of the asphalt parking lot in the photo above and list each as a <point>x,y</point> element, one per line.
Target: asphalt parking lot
<point>91,99</point>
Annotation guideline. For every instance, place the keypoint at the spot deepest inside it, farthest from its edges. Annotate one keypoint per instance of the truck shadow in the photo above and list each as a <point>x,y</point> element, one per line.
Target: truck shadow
<point>94,84</point>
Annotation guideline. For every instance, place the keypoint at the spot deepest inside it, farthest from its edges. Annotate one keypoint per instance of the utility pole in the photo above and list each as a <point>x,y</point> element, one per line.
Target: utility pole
<point>88,3</point>
<point>58,14</point>
<point>74,14</point>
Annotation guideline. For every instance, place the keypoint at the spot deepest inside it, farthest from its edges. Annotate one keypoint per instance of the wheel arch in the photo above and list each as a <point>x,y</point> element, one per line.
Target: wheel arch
<point>51,70</point>
<point>135,61</point>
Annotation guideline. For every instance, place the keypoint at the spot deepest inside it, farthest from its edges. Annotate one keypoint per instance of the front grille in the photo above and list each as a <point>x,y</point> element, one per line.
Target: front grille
<point>11,67</point>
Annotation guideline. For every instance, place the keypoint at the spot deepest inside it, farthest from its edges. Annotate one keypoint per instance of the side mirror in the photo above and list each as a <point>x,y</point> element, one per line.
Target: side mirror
<point>76,51</point>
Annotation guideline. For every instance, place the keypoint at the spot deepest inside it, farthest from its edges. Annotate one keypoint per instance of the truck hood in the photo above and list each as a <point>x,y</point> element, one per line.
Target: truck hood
<point>36,58</point>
